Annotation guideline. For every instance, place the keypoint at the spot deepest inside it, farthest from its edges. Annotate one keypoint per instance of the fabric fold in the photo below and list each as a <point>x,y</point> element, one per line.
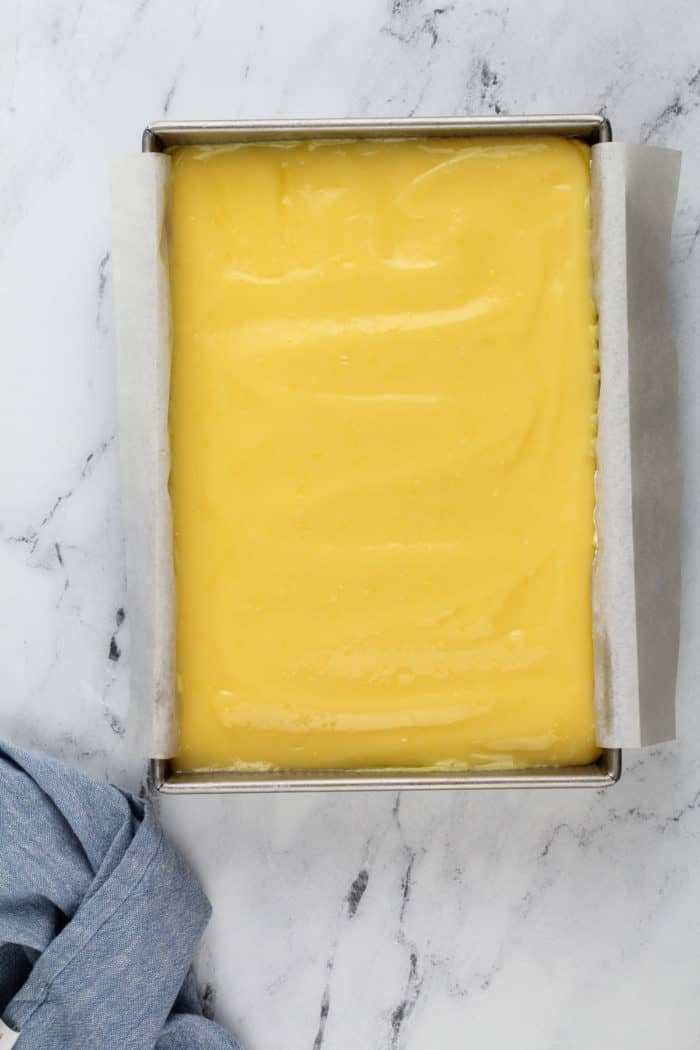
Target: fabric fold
<point>99,917</point>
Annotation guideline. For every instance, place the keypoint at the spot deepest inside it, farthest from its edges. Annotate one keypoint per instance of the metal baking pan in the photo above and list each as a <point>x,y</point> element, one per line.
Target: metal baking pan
<point>160,136</point>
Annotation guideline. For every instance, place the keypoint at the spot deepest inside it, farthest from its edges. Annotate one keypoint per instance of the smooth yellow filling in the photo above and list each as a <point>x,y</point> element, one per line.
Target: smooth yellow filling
<point>382,426</point>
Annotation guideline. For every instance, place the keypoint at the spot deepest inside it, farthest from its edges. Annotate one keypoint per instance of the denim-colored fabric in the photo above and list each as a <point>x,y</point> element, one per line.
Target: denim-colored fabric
<point>99,918</point>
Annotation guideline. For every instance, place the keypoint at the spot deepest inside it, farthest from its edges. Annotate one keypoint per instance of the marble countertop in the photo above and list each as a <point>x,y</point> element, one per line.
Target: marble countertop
<point>553,920</point>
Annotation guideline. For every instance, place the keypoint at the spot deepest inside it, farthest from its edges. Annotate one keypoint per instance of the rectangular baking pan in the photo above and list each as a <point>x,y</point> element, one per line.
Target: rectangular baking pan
<point>160,136</point>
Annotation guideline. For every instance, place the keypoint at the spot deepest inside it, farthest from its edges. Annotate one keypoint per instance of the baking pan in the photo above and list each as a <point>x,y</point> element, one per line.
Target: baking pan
<point>160,136</point>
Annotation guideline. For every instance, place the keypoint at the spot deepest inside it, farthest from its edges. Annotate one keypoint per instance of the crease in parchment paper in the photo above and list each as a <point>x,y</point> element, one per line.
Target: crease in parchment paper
<point>636,576</point>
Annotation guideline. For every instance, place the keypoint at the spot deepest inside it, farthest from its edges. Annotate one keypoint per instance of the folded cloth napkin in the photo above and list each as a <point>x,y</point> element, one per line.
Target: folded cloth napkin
<point>99,918</point>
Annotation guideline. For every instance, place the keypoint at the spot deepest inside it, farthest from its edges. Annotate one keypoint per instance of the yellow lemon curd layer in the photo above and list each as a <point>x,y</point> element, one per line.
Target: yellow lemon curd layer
<point>382,425</point>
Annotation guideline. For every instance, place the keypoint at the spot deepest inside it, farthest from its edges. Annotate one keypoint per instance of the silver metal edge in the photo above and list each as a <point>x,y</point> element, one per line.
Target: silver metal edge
<point>605,772</point>
<point>162,134</point>
<point>159,136</point>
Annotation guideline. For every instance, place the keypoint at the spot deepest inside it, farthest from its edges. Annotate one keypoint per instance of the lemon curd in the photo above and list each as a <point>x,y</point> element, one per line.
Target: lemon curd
<point>382,423</point>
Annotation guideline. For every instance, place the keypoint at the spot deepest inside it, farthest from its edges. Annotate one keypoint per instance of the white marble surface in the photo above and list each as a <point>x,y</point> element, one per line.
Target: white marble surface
<point>552,921</point>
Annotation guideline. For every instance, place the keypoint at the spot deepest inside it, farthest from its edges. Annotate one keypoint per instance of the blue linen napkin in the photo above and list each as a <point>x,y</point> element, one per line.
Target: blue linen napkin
<point>99,918</point>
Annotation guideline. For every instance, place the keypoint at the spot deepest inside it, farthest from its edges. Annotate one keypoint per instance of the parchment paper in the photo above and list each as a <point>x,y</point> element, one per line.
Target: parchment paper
<point>142,311</point>
<point>636,578</point>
